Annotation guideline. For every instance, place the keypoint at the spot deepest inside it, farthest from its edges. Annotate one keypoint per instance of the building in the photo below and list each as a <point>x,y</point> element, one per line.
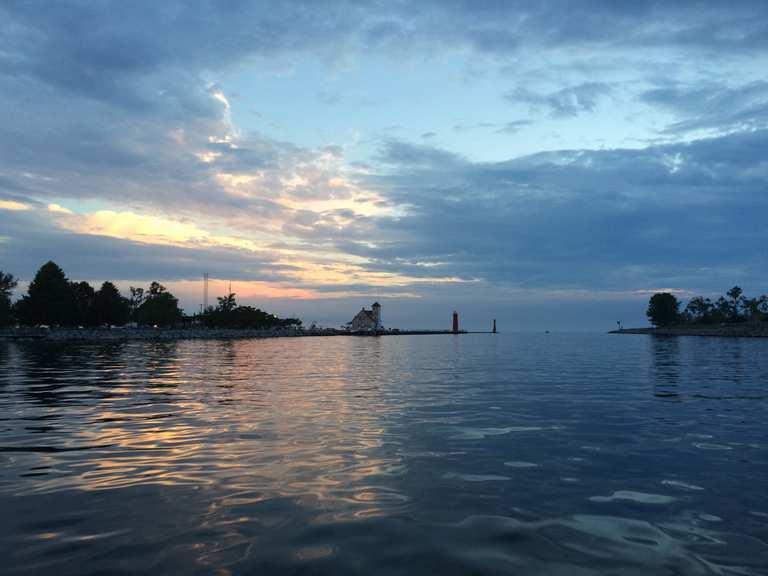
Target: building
<point>367,320</point>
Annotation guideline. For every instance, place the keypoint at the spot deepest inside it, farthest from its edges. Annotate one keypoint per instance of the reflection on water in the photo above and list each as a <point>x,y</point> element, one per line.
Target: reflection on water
<point>666,364</point>
<point>472,454</point>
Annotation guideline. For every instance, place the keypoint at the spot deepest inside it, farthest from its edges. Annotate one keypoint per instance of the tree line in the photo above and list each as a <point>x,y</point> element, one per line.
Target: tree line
<point>228,314</point>
<point>53,300</point>
<point>734,306</point>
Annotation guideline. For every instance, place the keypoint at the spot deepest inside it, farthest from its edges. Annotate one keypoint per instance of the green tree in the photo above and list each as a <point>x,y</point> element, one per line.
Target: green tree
<point>7,284</point>
<point>49,299</point>
<point>663,309</point>
<point>109,306</point>
<point>158,307</point>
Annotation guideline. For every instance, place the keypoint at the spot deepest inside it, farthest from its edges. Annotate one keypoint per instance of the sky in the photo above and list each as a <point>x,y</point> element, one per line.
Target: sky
<point>548,164</point>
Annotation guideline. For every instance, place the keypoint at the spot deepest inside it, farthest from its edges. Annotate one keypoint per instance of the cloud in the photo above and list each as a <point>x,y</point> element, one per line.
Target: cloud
<point>34,239</point>
<point>118,136</point>
<point>504,27</point>
<point>403,153</point>
<point>601,220</point>
<point>708,105</point>
<point>514,127</point>
<point>60,209</point>
<point>564,102</point>
<point>13,205</point>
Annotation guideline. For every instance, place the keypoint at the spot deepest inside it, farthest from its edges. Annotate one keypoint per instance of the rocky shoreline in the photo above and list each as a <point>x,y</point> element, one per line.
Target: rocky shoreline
<point>122,334</point>
<point>191,333</point>
<point>738,330</point>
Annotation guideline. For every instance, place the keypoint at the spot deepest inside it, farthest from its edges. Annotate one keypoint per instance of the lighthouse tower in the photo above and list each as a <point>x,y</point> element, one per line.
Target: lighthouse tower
<point>455,322</point>
<point>376,309</point>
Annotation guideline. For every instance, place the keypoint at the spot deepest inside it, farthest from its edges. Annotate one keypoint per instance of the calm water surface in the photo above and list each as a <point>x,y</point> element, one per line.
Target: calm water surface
<point>477,454</point>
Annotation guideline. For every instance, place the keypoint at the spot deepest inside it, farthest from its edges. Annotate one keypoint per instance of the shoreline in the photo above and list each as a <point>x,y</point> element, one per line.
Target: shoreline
<point>739,330</point>
<point>167,334</point>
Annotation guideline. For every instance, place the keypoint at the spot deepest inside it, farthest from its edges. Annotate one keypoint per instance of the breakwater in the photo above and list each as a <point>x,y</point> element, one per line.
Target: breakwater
<point>117,334</point>
<point>736,330</point>
<point>189,333</point>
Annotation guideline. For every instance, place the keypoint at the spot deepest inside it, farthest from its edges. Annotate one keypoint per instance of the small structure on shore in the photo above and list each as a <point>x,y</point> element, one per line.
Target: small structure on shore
<point>455,322</point>
<point>494,326</point>
<point>367,320</point>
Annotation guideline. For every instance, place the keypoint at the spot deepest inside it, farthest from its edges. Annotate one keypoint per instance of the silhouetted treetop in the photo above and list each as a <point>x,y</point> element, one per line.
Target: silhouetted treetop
<point>84,295</point>
<point>50,299</point>
<point>157,306</point>
<point>733,307</point>
<point>53,300</point>
<point>109,306</point>
<point>227,314</point>
<point>7,284</point>
<point>663,309</point>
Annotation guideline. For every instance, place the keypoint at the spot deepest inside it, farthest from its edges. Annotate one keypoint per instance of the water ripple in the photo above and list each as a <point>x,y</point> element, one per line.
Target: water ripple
<point>478,454</point>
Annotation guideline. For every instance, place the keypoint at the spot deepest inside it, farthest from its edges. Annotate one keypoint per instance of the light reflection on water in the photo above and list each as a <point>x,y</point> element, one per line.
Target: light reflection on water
<point>572,454</point>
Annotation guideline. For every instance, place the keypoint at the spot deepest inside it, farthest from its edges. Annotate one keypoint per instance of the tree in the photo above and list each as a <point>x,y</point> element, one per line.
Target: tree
<point>699,309</point>
<point>136,300</point>
<point>762,304</point>
<point>49,299</point>
<point>223,315</point>
<point>723,309</point>
<point>7,284</point>
<point>756,308</point>
<point>158,307</point>
<point>663,309</point>
<point>227,314</point>
<point>737,300</point>
<point>109,306</point>
<point>83,294</point>
<point>227,303</point>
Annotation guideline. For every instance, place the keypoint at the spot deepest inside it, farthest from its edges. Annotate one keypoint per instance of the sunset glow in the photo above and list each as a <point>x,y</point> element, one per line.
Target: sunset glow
<point>429,154</point>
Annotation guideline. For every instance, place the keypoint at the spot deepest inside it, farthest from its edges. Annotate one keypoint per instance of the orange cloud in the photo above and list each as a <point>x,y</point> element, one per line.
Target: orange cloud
<point>245,289</point>
<point>13,205</point>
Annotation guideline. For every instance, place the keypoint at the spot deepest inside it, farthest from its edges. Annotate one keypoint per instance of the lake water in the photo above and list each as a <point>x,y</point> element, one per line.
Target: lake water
<point>474,454</point>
